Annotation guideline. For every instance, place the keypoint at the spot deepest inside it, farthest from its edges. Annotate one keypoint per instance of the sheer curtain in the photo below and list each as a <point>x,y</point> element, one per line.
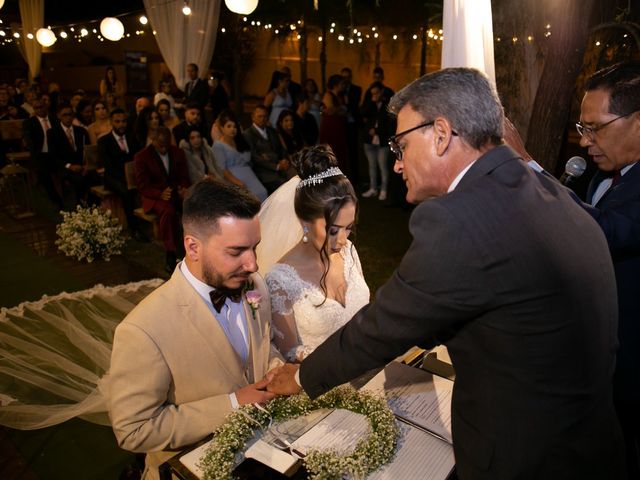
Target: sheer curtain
<point>468,35</point>
<point>32,15</point>
<point>184,39</point>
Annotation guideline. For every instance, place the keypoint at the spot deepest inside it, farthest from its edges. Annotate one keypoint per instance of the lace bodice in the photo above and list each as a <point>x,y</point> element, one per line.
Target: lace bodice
<point>291,296</point>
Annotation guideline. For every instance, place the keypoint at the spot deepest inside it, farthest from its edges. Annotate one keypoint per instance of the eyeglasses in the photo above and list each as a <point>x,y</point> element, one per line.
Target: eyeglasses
<point>395,147</point>
<point>589,132</point>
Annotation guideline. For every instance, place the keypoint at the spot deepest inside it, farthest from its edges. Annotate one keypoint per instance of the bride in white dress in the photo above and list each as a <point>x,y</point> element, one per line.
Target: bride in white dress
<point>317,285</point>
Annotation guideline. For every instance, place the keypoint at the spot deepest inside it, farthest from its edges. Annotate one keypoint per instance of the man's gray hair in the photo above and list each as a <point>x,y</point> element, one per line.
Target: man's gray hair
<point>464,96</point>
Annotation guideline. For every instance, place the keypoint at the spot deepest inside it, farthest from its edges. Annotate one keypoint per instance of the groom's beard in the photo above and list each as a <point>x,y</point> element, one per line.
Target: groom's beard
<point>215,279</point>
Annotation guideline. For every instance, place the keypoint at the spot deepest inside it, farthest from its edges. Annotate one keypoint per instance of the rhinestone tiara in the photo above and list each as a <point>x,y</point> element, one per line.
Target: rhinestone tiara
<point>319,177</point>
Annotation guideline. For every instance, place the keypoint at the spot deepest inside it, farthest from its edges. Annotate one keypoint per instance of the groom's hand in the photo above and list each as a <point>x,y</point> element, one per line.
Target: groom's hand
<point>254,393</point>
<point>283,380</point>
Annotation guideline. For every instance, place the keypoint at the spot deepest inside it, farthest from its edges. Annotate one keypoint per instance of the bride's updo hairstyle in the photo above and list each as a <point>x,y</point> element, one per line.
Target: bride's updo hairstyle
<point>323,198</point>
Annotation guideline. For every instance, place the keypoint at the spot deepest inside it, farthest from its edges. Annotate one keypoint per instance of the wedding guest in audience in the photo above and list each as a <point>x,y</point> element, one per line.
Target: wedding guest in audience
<point>163,107</point>
<point>76,97</point>
<point>317,285</point>
<point>192,118</point>
<point>8,111</point>
<point>164,93</point>
<point>140,104</point>
<point>83,114</point>
<point>290,137</point>
<point>333,123</point>
<point>110,101</point>
<point>314,98</point>
<point>378,76</point>
<point>268,156</point>
<point>102,124</point>
<point>21,87</point>
<point>162,179</point>
<point>351,99</point>
<point>194,350</point>
<point>35,135</point>
<point>379,126</point>
<point>29,97</point>
<point>196,89</point>
<point>220,92</point>
<point>110,84</point>
<point>529,400</point>
<point>305,123</point>
<point>146,127</point>
<point>234,156</point>
<point>200,158</point>
<point>116,149</point>
<point>66,148</point>
<point>294,87</point>
<point>278,97</point>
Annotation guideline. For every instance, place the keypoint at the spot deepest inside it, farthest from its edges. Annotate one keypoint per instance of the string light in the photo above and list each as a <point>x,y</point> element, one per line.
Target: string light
<point>186,9</point>
<point>143,20</point>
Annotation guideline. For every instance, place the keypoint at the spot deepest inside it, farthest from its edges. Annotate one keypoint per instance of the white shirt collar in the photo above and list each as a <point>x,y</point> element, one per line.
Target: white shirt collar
<point>261,130</point>
<point>456,180</point>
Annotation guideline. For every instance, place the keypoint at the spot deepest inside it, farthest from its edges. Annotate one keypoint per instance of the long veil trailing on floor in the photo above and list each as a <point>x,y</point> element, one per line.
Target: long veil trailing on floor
<point>55,354</point>
<point>279,225</point>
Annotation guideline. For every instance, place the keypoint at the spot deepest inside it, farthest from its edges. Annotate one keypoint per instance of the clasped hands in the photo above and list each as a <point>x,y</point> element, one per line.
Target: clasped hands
<point>279,381</point>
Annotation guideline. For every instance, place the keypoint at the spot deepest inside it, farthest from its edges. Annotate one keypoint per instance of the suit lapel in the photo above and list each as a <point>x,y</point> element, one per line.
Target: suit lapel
<point>625,186</point>
<point>488,162</point>
<point>158,160</point>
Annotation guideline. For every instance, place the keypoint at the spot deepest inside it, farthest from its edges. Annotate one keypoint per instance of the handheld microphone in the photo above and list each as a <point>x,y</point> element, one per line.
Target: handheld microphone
<point>573,169</point>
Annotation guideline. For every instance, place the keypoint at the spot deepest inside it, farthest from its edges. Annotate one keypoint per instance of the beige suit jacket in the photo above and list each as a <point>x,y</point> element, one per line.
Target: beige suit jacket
<point>172,368</point>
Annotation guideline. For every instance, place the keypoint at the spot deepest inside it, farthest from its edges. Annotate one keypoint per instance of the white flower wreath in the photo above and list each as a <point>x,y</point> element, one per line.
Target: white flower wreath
<point>370,453</point>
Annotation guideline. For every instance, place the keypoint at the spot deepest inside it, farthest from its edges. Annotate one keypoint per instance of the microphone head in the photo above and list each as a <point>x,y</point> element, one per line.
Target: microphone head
<point>575,166</point>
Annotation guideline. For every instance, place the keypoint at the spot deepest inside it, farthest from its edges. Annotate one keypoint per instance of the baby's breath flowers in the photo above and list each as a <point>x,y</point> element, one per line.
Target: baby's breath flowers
<point>89,233</point>
<point>369,454</point>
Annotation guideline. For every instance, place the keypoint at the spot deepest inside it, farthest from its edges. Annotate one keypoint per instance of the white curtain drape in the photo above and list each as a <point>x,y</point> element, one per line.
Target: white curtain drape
<point>468,35</point>
<point>32,16</point>
<point>184,39</point>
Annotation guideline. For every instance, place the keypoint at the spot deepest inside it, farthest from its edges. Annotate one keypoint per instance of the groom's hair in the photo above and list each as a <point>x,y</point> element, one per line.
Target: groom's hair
<point>209,200</point>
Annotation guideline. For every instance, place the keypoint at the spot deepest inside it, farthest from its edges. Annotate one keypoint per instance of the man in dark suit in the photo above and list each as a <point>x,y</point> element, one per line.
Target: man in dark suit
<point>352,94</point>
<point>162,179</point>
<point>268,156</point>
<point>196,89</point>
<point>66,148</point>
<point>35,135</point>
<point>493,272</point>
<point>114,151</point>
<point>192,118</point>
<point>610,128</point>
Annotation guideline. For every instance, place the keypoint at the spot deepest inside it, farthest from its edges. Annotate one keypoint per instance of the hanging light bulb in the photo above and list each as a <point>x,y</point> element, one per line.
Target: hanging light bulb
<point>242,7</point>
<point>112,29</point>
<point>143,20</point>
<point>186,10</point>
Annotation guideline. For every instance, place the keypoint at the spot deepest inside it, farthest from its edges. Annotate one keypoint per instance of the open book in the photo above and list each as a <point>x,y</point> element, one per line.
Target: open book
<point>421,402</point>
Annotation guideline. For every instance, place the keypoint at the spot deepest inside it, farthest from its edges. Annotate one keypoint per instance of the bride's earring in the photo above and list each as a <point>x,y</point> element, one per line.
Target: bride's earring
<point>305,232</point>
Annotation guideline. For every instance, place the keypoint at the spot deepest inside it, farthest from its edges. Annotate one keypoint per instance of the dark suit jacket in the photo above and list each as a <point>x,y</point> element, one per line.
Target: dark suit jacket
<point>34,134</point>
<point>529,319</point>
<point>199,93</point>
<point>181,131</point>
<point>265,153</point>
<point>352,101</point>
<point>113,159</point>
<point>618,213</point>
<point>379,119</point>
<point>60,149</point>
<point>152,178</point>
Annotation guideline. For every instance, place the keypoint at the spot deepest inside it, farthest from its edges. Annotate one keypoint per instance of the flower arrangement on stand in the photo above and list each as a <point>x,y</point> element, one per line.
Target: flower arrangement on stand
<point>89,233</point>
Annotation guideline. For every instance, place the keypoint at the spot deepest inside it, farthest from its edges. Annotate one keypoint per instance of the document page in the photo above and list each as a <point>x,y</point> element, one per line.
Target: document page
<point>416,396</point>
<point>418,455</point>
<point>340,431</point>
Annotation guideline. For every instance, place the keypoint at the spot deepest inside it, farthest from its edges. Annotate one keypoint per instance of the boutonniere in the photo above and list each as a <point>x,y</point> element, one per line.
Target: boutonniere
<point>253,298</point>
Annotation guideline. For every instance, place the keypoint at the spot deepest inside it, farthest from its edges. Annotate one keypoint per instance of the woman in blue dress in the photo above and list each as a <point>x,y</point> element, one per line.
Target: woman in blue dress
<point>278,98</point>
<point>232,154</point>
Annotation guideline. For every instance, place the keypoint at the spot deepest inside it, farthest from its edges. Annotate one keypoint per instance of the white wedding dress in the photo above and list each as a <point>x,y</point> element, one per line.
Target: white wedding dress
<point>315,321</point>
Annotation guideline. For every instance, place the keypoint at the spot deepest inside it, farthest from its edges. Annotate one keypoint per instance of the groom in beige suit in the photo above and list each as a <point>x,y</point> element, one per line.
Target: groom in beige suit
<point>195,349</point>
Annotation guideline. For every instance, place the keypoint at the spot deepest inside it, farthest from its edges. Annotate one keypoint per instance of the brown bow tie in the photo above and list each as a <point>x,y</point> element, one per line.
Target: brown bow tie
<point>220,295</point>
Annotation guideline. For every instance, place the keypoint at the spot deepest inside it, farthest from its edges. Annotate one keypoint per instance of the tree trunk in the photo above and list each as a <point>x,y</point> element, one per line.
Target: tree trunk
<point>303,50</point>
<point>565,52</point>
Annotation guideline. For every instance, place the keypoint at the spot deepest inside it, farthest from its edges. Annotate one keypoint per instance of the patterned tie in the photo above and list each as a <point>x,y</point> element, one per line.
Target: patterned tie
<point>47,125</point>
<point>69,133</point>
<point>220,295</point>
<point>615,178</point>
<point>123,145</point>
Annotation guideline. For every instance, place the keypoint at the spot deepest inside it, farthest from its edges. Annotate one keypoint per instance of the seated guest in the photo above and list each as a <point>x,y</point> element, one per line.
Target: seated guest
<point>66,148</point>
<point>162,179</point>
<point>102,124</point>
<point>267,155</point>
<point>29,97</point>
<point>234,157</point>
<point>114,150</point>
<point>290,136</point>
<point>200,158</point>
<point>305,121</point>
<point>219,99</point>
<point>164,93</point>
<point>189,355</point>
<point>146,126</point>
<point>163,107</point>
<point>83,113</point>
<point>192,118</point>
